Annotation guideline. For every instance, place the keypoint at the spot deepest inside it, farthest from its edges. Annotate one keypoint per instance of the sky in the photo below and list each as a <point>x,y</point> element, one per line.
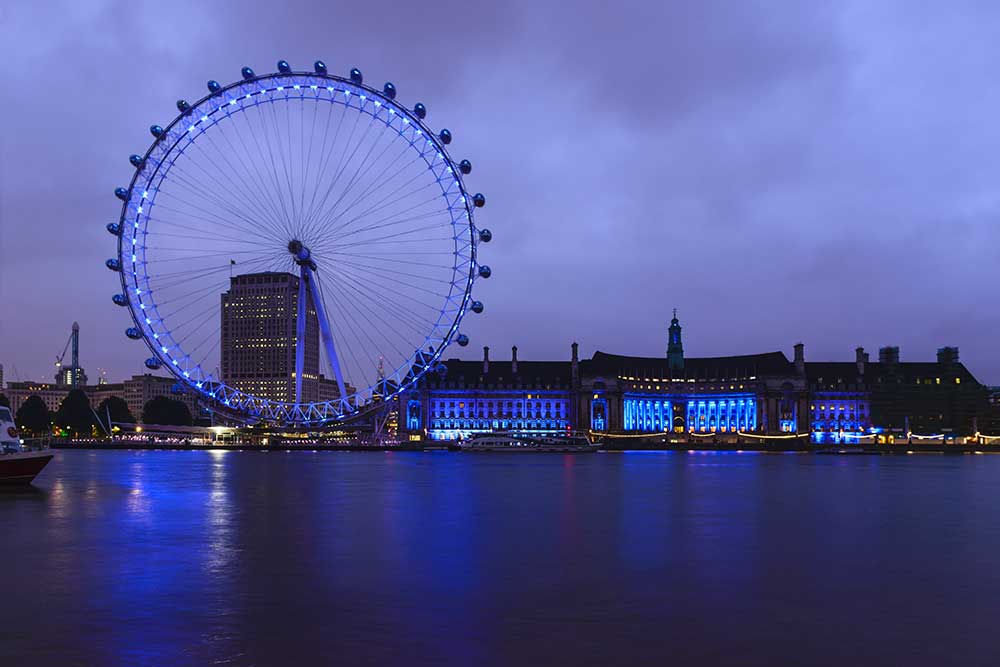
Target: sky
<point>778,172</point>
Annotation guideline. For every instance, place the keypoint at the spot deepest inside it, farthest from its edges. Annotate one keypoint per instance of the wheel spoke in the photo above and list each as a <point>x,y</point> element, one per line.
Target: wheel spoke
<point>288,224</point>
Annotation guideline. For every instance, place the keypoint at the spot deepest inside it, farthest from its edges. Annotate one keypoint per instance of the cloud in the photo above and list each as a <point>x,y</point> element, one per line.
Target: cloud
<point>822,173</point>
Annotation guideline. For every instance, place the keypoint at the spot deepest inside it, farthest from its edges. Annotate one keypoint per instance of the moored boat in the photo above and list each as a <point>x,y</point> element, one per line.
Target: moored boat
<point>19,464</point>
<point>522,442</point>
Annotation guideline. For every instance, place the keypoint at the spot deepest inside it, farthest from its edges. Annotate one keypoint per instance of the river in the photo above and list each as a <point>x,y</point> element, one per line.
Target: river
<point>357,558</point>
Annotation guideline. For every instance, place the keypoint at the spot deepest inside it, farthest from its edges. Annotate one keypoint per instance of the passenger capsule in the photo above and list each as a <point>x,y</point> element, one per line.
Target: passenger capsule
<point>485,235</point>
<point>177,389</point>
<point>183,106</point>
<point>441,370</point>
<point>120,300</point>
<point>389,90</point>
<point>462,340</point>
<point>113,264</point>
<point>133,333</point>
<point>477,306</point>
<point>153,363</point>
<point>479,199</point>
<point>247,73</point>
<point>445,136</point>
<point>121,193</point>
<point>214,86</point>
<point>156,131</point>
<point>284,67</point>
<point>465,167</point>
<point>113,228</point>
<point>356,76</point>
<point>320,67</point>
<point>485,271</point>
<point>419,110</point>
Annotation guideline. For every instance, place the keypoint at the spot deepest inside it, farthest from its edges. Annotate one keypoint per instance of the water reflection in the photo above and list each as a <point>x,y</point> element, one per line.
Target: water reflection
<point>407,558</point>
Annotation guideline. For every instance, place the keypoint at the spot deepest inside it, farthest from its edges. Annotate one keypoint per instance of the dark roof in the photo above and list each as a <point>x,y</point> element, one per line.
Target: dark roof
<point>741,366</point>
<point>831,371</point>
<point>906,371</point>
<point>529,373</point>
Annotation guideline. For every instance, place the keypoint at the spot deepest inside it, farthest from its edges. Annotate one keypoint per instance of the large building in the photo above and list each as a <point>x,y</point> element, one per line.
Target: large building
<point>259,313</point>
<point>723,397</point>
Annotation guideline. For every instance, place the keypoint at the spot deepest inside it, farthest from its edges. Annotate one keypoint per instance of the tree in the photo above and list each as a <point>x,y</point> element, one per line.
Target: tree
<point>117,408</point>
<point>33,417</point>
<point>4,401</point>
<point>166,412</point>
<point>75,415</point>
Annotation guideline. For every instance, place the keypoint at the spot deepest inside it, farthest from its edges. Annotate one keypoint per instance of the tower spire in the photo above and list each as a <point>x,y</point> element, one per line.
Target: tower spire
<point>675,348</point>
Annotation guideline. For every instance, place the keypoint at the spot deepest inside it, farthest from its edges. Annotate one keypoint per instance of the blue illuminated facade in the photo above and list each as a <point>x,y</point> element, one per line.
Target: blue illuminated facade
<point>468,397</point>
<point>722,414</point>
<point>709,413</point>
<point>839,416</point>
<point>649,414</point>
<point>458,414</point>
<point>724,399</point>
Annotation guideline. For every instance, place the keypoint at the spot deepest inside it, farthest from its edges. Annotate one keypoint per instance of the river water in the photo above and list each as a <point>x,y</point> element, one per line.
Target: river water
<point>253,558</point>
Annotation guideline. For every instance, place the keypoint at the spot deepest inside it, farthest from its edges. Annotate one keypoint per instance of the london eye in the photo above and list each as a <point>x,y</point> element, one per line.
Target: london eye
<point>304,222</point>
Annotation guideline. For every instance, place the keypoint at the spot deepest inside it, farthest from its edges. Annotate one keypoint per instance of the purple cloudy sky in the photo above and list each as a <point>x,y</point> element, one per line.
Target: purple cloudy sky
<point>778,171</point>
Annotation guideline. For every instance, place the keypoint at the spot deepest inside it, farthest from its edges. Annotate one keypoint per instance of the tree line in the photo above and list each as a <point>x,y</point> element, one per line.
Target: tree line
<point>76,418</point>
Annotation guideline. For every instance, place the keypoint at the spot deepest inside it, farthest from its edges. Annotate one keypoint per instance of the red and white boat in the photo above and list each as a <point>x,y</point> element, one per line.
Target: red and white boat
<point>18,463</point>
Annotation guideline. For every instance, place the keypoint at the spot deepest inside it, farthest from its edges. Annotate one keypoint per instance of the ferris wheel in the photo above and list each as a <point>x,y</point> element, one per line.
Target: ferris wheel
<point>297,247</point>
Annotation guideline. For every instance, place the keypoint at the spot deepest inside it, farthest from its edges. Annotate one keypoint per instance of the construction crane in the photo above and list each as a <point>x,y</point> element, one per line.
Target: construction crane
<point>75,371</point>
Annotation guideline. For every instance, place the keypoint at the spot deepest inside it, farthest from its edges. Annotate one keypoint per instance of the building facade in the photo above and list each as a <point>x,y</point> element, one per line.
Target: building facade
<point>136,392</point>
<point>725,398</point>
<point>465,397</point>
<point>141,389</point>
<point>258,341</point>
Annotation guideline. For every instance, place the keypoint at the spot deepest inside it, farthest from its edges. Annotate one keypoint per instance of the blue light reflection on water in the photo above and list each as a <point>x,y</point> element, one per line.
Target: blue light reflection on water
<point>405,558</point>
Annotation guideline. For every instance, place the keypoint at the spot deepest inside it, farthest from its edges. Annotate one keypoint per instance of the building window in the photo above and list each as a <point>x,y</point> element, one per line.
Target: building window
<point>413,415</point>
<point>598,414</point>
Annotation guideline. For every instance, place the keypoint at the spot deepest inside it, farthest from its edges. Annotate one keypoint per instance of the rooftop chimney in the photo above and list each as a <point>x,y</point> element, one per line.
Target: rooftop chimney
<point>860,357</point>
<point>486,359</point>
<point>888,355</point>
<point>575,363</point>
<point>800,358</point>
<point>513,360</point>
<point>947,356</point>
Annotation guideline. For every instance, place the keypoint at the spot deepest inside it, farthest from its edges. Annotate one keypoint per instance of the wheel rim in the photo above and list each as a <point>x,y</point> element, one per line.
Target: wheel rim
<point>240,175</point>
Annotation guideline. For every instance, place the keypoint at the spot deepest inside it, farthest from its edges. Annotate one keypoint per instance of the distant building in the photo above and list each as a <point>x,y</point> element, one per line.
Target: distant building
<point>258,344</point>
<point>722,397</point>
<point>136,392</point>
<point>141,389</point>
<point>72,375</point>
<point>922,397</point>
<point>64,376</point>
<point>51,394</point>
<point>991,425</point>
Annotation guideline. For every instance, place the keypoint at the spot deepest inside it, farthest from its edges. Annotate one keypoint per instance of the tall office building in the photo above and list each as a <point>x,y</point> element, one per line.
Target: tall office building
<point>258,344</point>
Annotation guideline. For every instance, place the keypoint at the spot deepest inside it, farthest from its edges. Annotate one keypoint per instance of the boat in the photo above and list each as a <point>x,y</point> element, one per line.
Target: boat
<point>19,463</point>
<point>522,442</point>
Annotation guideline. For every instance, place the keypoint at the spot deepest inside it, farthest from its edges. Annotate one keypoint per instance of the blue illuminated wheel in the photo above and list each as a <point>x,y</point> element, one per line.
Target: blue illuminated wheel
<point>297,247</point>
